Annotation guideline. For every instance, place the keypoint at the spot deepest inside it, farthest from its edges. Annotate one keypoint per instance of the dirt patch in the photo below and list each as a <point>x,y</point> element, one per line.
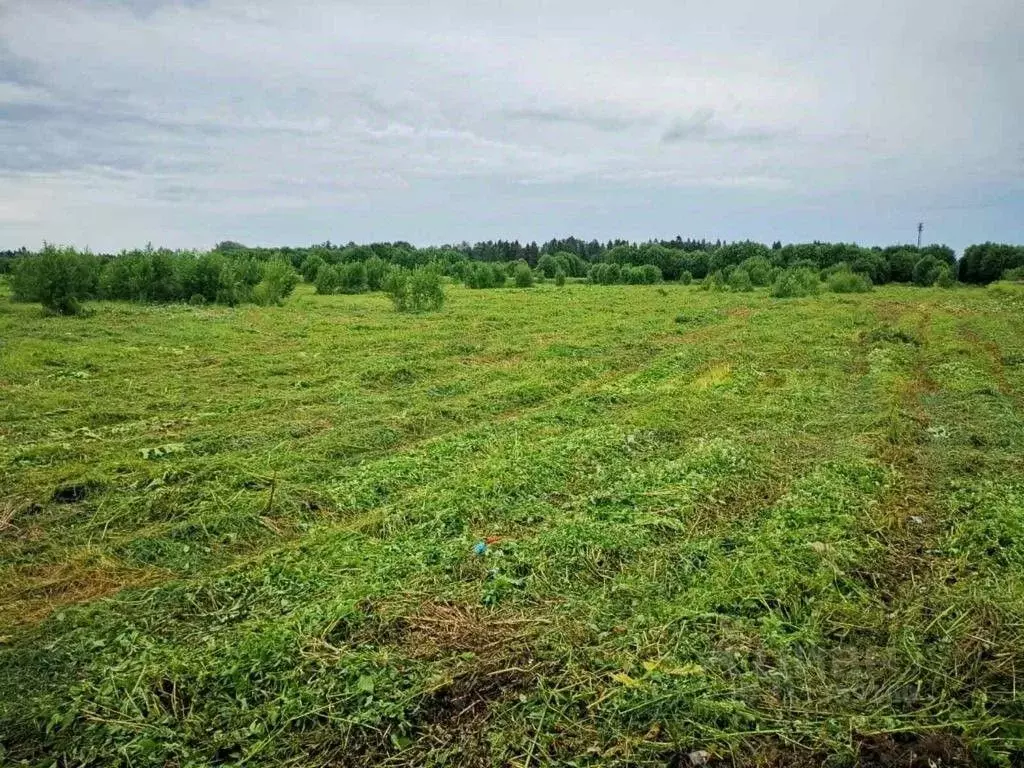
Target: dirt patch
<point>900,750</point>
<point>31,594</point>
<point>486,657</point>
<point>438,630</point>
<point>69,494</point>
<point>911,750</point>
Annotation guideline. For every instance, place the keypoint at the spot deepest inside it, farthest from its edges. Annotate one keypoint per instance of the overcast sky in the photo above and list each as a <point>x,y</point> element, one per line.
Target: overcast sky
<point>299,121</point>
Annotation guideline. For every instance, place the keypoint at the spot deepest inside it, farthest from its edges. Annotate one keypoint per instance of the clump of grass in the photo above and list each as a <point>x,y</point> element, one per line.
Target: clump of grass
<point>888,334</point>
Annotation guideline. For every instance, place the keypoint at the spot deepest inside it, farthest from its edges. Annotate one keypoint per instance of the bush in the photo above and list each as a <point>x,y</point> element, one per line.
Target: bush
<point>279,280</point>
<point>548,265</point>
<point>650,274</point>
<point>799,281</point>
<point>559,277</point>
<point>327,279</point>
<point>845,281</point>
<point>58,278</point>
<point>376,273</point>
<point>498,276</point>
<point>685,277</point>
<point>631,275</point>
<point>714,281</point>
<point>427,289</point>
<point>945,278</point>
<point>1015,275</point>
<point>415,290</point>
<point>605,274</point>
<point>740,281</point>
<point>352,277</point>
<point>523,275</point>
<point>480,274</point>
<point>311,266</point>
<point>759,269</point>
<point>926,271</point>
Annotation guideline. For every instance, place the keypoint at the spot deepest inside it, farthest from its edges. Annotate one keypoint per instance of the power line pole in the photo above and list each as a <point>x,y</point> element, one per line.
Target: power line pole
<point>920,229</point>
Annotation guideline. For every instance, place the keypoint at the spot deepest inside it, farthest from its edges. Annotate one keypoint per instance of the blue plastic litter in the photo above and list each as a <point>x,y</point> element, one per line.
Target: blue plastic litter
<point>480,548</point>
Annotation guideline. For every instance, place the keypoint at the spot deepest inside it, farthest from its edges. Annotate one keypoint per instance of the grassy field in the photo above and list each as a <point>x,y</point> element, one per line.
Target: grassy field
<point>577,526</point>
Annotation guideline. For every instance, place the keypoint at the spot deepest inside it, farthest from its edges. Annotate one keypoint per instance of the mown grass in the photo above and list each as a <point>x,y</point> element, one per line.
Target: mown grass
<point>723,526</point>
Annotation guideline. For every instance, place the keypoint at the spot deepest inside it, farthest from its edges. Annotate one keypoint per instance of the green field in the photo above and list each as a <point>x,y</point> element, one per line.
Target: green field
<point>761,531</point>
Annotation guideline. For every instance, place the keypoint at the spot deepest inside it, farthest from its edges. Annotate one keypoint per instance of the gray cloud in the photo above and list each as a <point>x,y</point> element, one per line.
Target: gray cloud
<point>572,117</point>
<point>702,126</point>
<point>188,122</point>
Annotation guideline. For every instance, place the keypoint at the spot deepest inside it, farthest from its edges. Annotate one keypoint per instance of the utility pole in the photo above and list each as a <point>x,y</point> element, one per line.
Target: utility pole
<point>920,229</point>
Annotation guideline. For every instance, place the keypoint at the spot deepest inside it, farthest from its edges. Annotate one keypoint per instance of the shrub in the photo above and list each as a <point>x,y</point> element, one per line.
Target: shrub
<point>1015,275</point>
<point>327,279</point>
<point>58,278</point>
<point>352,277</point>
<point>482,275</point>
<point>926,271</point>
<point>845,281</point>
<point>477,275</point>
<point>548,265</point>
<point>523,275</point>
<point>799,281</point>
<point>415,290</point>
<point>945,278</point>
<point>197,300</point>
<point>631,275</point>
<point>605,274</point>
<point>559,277</point>
<point>427,289</point>
<point>498,276</point>
<point>398,285</point>
<point>376,273</point>
<point>650,274</point>
<point>311,266</point>
<point>714,281</point>
<point>740,281</point>
<point>279,280</point>
<point>759,269</point>
<point>686,277</point>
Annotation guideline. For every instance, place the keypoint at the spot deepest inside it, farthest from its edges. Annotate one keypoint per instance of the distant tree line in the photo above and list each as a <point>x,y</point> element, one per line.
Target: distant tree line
<point>233,273</point>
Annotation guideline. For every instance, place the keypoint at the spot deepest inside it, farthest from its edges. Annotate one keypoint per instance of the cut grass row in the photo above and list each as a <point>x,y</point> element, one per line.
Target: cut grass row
<point>772,531</point>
